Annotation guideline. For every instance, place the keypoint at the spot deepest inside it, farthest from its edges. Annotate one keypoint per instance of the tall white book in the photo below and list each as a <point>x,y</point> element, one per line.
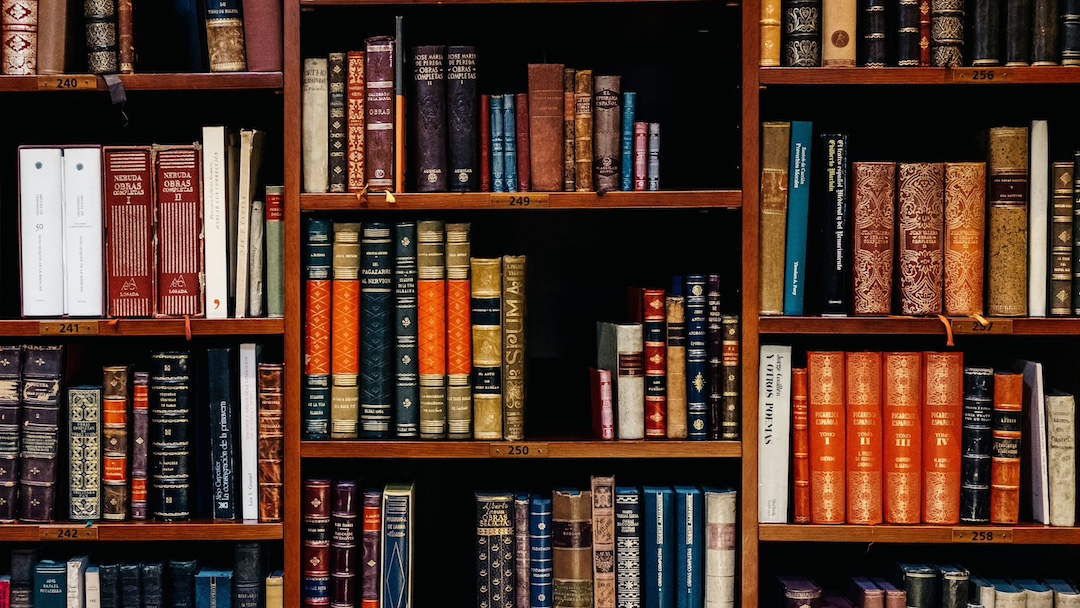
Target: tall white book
<point>93,587</point>
<point>720,508</point>
<point>76,574</point>
<point>1035,429</point>
<point>250,161</point>
<point>215,220</point>
<point>1061,456</point>
<point>774,432</point>
<point>315,125</point>
<point>256,259</point>
<point>249,431</point>
<point>84,237</point>
<point>1038,209</point>
<point>41,230</point>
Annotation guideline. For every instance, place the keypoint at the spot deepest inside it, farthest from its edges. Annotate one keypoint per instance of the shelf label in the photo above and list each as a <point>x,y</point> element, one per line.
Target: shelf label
<point>519,450</point>
<point>519,200</point>
<point>67,82</point>
<point>68,328</point>
<point>982,535</point>
<point>969,326</point>
<point>68,532</point>
<point>981,75</point>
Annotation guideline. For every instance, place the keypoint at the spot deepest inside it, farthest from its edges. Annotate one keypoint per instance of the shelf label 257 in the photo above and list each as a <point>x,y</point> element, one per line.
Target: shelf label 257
<point>994,326</point>
<point>982,536</point>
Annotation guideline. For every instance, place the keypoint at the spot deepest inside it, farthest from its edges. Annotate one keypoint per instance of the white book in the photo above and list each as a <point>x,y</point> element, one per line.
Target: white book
<point>1035,429</point>
<point>250,160</point>
<point>1061,457</point>
<point>76,573</point>
<point>215,221</point>
<point>774,432</point>
<point>314,109</point>
<point>232,200</point>
<point>1065,595</point>
<point>256,265</point>
<point>720,560</point>
<point>1038,206</point>
<point>84,236</point>
<point>41,229</point>
<point>93,587</point>
<point>249,431</point>
<point>619,349</point>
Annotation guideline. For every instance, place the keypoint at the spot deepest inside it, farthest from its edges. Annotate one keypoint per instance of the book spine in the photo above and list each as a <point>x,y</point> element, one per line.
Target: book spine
<point>770,33</point>
<point>772,228</point>
<point>221,387</point>
<point>720,560</point>
<point>902,437</point>
<point>798,211</point>
<point>603,541</point>
<point>801,22</point>
<point>836,224</point>
<point>459,406</point>
<point>379,106</point>
<point>338,128</point>
<point>429,82</point>
<point>986,32</point>
<point>1061,250</point>
<point>1005,452</point>
<point>10,425</point>
<point>571,541</point>
<point>920,220</point>
<point>874,38</point>
<point>498,154</point>
<point>406,364</point>
<point>431,314</point>
<point>513,351</point>
<point>658,563</point>
<point>653,176</point>
<point>41,204</point>
<point>485,143</point>
<point>376,286</point>
<point>263,36</point>
<point>603,415</point>
<point>730,382</point>
<point>370,567</point>
<point>275,251</point>
<point>626,147</point>
<point>1018,32</point>
<point>838,33</point>
<point>38,444</point>
<point>1038,220</point>
<point>641,155</point>
<point>495,549</point>
<point>101,50</point>
<point>655,364</point>
<point>170,435</point>
<point>131,585</point>
<point>114,449</point>
<point>965,213</point>
<point>345,332</point>
<point>569,155</point>
<point>697,388</point>
<point>863,434</point>
<point>125,36</point>
<point>343,514</point>
<point>874,214</point>
<point>396,541</point>
<point>976,442</point>
<point>714,355</point>
<point>689,516</point>
<point>675,391</point>
<point>521,125</point>
<point>19,49</point>
<point>774,418</point>
<point>140,440</point>
<point>315,543</point>
<point>907,52</point>
<point>1007,231</point>
<point>315,107</point>
<point>541,567</point>
<point>521,549</point>
<point>355,98</point>
<point>152,592</point>
<point>248,429</point>
<point>947,33</point>
<point>943,403</point>
<point>179,230</point>
<point>84,437</point>
<point>461,118</point>
<point>1061,457</point>
<point>1075,296</point>
<point>627,547</point>
<point>219,237</point>
<point>83,232</point>
<point>509,143</point>
<point>487,348</point>
<point>825,403</point>
<point>271,446</point>
<point>318,260</point>
<point>583,131</point>
<point>225,36</point>
<point>925,31</point>
<point>800,446</point>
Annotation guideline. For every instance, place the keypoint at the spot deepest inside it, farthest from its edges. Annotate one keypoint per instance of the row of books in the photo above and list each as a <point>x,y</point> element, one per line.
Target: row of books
<point>330,556</point>
<point>913,33</point>
<point>162,230</point>
<point>426,341</point>
<point>918,238</point>
<point>571,131</point>
<point>77,581</point>
<point>673,371</point>
<point>140,444</point>
<point>911,437</point>
<point>34,36</point>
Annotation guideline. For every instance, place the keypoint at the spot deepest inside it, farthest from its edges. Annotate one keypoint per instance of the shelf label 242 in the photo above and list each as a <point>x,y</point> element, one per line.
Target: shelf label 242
<point>67,532</point>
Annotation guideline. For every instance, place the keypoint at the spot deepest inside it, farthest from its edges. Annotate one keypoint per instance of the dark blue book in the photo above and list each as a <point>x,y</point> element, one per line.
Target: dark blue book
<point>376,348</point>
<point>315,397</point>
<point>495,549</point>
<point>50,584</point>
<point>629,101</point>
<point>406,334</point>
<point>689,547</point>
<point>658,563</point>
<point>249,575</point>
<point>213,588</point>
<point>835,191</point>
<point>697,385</point>
<point>541,567</point>
<point>153,592</point>
<point>131,586</point>
<point>798,216</point>
<point>181,577</point>
<point>463,105</point>
<point>109,583</point>
<point>396,545</point>
<point>975,441</point>
<point>221,393</point>
<point>627,547</point>
<point>498,169</point>
<point>509,143</point>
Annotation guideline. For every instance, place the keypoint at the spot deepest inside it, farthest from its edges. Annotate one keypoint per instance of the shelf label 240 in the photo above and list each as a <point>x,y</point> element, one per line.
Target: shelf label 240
<point>982,536</point>
<point>67,82</point>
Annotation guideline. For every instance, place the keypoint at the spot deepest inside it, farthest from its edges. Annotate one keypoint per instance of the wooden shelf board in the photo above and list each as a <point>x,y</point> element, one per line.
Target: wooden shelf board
<point>149,327</point>
<point>554,449</point>
<point>920,76</point>
<point>312,3</point>
<point>164,82</point>
<point>197,530</point>
<point>670,199</point>
<point>1027,534</point>
<point>1067,326</point>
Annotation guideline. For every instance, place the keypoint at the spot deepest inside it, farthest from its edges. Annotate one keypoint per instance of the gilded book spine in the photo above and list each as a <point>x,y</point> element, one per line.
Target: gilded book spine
<point>495,549</point>
<point>607,127</point>
<point>1006,450</point>
<point>225,36</point>
<point>379,107</point>
<point>101,50</point>
<point>1007,237</point>
<point>140,438</point>
<point>770,33</point>
<point>874,213</point>
<point>1061,236</point>
<point>370,566</point>
<point>318,256</point>
<point>513,366</point>
<point>941,434</point>
<point>697,375</point>
<point>902,437</point>
<point>10,424</point>
<point>345,332</point>
<point>775,151</point>
<point>569,164</point>
<point>459,406</point>
<point>729,394</point>
<point>603,541</point>
<point>714,353</point>
<point>947,33</point>
<point>521,548</point>
<point>487,348</point>
<point>129,195</point>
<point>406,365</point>
<point>863,415</point>
<point>39,442</point>
<point>429,78</point>
<point>800,446</point>
<point>125,37</point>
<point>825,400</point>
<point>583,130</point>
<point>179,230</point>
<point>462,104</point>
<point>115,446</point>
<point>355,120</point>
<point>376,287</point>
<point>655,364</point>
<point>19,37</point>
<point>920,208</point>
<point>171,436</point>
<point>965,213</point>
<point>676,366</point>
<point>343,533</point>
<point>84,466</point>
<point>431,317</point>
<point>802,33</point>
<point>571,541</point>
<point>315,543</point>
<point>337,138</point>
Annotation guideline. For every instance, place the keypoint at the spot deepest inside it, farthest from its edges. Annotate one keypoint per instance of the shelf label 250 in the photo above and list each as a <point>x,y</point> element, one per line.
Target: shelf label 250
<point>519,450</point>
<point>982,535</point>
<point>68,532</point>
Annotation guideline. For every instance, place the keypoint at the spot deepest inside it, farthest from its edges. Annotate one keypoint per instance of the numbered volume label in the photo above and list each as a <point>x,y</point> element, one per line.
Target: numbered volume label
<point>519,200</point>
<point>67,82</point>
<point>969,326</point>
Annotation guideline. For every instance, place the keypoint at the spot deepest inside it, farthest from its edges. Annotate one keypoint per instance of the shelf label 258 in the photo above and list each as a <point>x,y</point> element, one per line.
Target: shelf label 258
<point>519,450</point>
<point>982,535</point>
<point>71,532</point>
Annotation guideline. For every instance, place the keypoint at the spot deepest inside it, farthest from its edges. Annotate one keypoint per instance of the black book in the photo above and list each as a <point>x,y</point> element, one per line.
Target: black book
<point>181,583</point>
<point>835,191</point>
<point>802,33</point>
<point>1044,50</point>
<point>1018,18</point>
<point>248,575</point>
<point>10,423</point>
<point>984,24</point>
<point>1070,32</point>
<point>22,577</point>
<point>921,584</point>
<point>907,33</point>
<point>462,108</point>
<point>170,435</point>
<point>131,585</point>
<point>714,347</point>
<point>976,442</point>
<point>153,595</point>
<point>429,108</point>
<point>222,394</point>
<point>338,140</point>
<point>39,442</point>
<point>874,33</point>
<point>109,583</point>
<point>954,586</point>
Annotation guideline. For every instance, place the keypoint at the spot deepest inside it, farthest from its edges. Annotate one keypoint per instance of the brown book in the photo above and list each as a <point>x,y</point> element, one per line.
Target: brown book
<point>800,443</point>
<point>271,441</point>
<point>675,320</point>
<point>263,35</point>
<point>603,541</point>
<point>607,133</point>
<point>571,542</point>
<point>521,124</point>
<point>838,33</point>
<point>902,437</point>
<point>1006,247</point>
<point>125,37</point>
<point>1005,449</point>
<point>225,36</point>
<point>101,55</point>
<point>52,34</point>
<point>943,392</point>
<point>178,210</point>
<point>569,129</point>
<point>965,216</point>
<point>583,130</point>
<point>894,597</point>
<point>920,220</point>
<point>379,108</point>
<point>874,213</point>
<point>1061,250</point>
<point>865,593</point>
<point>546,125</point>
<point>129,218</point>
<point>354,116</point>
<point>114,447</point>
<point>18,37</point>
<point>775,151</point>
<point>825,403</point>
<point>799,592</point>
<point>770,33</point>
<point>864,455</point>
<point>513,337</point>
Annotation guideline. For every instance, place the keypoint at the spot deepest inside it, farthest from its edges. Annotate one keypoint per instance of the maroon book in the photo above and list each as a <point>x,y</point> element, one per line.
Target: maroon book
<point>179,229</point>
<point>129,231</point>
<point>262,35</point>
<point>343,544</point>
<point>371,567</point>
<point>521,124</point>
<point>485,143</point>
<point>315,536</point>
<point>379,106</point>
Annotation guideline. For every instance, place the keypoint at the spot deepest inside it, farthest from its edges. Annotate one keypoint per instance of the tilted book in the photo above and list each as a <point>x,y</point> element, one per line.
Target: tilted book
<point>337,135</point>
<point>965,218</point>
<point>513,334</point>
<point>720,535</point>
<point>655,364</point>
<point>251,145</point>
<point>178,210</point>
<point>675,391</point>
<point>798,212</point>
<point>943,375</point>
<point>271,442</point>
<point>129,217</point>
<point>658,558</point>
<point>541,571</point>
<point>603,541</point>
<point>354,118</point>
<point>376,347</point>
<point>43,367</point>
<point>920,227</point>
<point>345,332</point>
<point>697,373</point>
<point>874,233</point>
<point>862,373</point>
<point>114,446</point>
<point>774,432</point>
<point>41,230</point>
<point>571,542</point>
<point>689,535</point>
<point>1007,245</point>
<point>315,542</point>
<point>800,447</point>
<point>317,258</point>
<point>772,232</point>
<point>462,104</point>
<point>495,549</point>
<point>902,419</point>
<point>487,352</point>
<point>459,356</point>
<point>546,121</point>
<point>171,436</point>
<point>825,402</point>
<point>314,105</point>
<point>1061,456</point>
<point>406,364</point>
<point>256,267</point>
<point>628,547</point>
<point>1038,219</point>
<point>976,438</point>
<point>431,321</point>
<point>397,545</point>
<point>379,169</point>
<point>84,466</point>
<point>430,84</point>
<point>1061,240</point>
<point>1034,474</point>
<point>343,532</point>
<point>619,350</point>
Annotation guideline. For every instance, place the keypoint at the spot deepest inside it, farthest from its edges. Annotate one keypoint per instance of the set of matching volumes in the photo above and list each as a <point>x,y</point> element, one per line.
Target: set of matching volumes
<point>913,33</point>
<point>673,371</point>
<point>407,336</point>
<point>334,571</point>
<point>954,238</point>
<point>609,546</point>
<point>911,437</point>
<point>33,35</point>
<point>145,231</point>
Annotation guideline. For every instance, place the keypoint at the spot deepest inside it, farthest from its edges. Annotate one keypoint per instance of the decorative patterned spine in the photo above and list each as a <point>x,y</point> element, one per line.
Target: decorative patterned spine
<point>1075,296</point>
<point>1005,453</point>
<point>406,363</point>
<point>178,211</point>
<point>874,35</point>
<point>675,391</point>
<point>129,196</point>
<point>802,33</point>
<point>370,565</point>
<point>947,33</point>
<point>84,463</point>
<point>271,441</point>
<point>689,537</point>
<point>925,31</point>
<point>495,549</point>
<point>170,435</point>
<point>603,541</point>
<point>874,214</point>
<point>114,449</point>
<point>42,371</point>
<point>920,209</point>
<point>521,125</point>
<point>714,354</point>
<point>825,401</point>
<point>376,308</point>
<point>658,563</point>
<point>140,439</point>
<point>730,412</point>
<point>431,313</point>
<point>125,37</point>
<point>772,230</point>
<point>397,546</point>
<point>626,151</point>
<point>345,329</point>
<point>343,514</point>
<point>521,549</point>
<point>10,423</point>
<point>487,351</point>
<point>800,446</point>
<point>315,543</point>
<point>509,139</point>
<point>1007,237</point>
<point>902,437</point>
<point>541,572</point>
<point>101,49</point>
<point>907,36</point>
<point>697,386</point>
<point>569,164</point>
<point>429,80</point>
<point>1061,237</point>
<point>863,432</point>
<point>459,406</point>
<point>641,155</point>
<point>770,33</point>
<point>379,105</point>
<point>225,36</point>
<point>355,98</point>
<point>655,365</point>
<point>19,37</point>
<point>337,104</point>
<point>941,435</point>
<point>607,133</point>
<point>513,366</point>
<point>653,177</point>
<point>627,547</point>
<point>571,541</point>
<point>976,443</point>
<point>318,258</point>
<point>583,130</point>
<point>498,153</point>
<point>461,118</point>
<point>965,213</point>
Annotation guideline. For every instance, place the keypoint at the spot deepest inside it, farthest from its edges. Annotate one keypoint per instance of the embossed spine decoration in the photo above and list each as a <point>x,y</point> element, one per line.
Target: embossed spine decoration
<point>863,432</point>
<point>406,332</point>
<point>907,34</point>
<point>513,367</point>
<point>697,379</point>
<point>838,33</point>
<point>114,446</point>
<point>902,437</point>
<point>1061,235</point>
<point>770,33</point>
<point>318,259</point>
<point>315,543</point>
<point>583,130</point>
<point>629,105</point>
<point>653,176</point>
<point>802,33</point>
<point>429,79</point>
<point>541,571</point>
<point>345,332</point>
<point>775,151</point>
<point>495,550</point>
<point>571,541</point>
<point>607,133</point>
<point>171,435</point>
<point>431,316</point>
<point>376,308</point>
<point>370,565</point>
<point>487,350</point>
<point>337,138</point>
<point>976,439</point>
<point>42,371</point>
<point>18,37</point>
<point>603,547</point>
<point>509,139</point>
<point>627,547</point>
<point>655,364</point>
<point>225,36</point>
<point>1005,460</point>
<point>140,438</point>
<point>271,444</point>
<point>947,33</point>
<point>965,215</point>
<point>825,402</point>
<point>10,423</point>
<point>920,211</point>
<point>1007,238</point>
<point>101,48</point>
<point>873,216</point>
<point>379,105</point>
<point>125,37</point>
<point>675,317</point>
<point>84,464</point>
<point>800,446</point>
<point>521,548</point>
<point>459,407</point>
<point>569,156</point>
<point>354,115</point>
<point>461,118</point>
<point>343,531</point>
<point>943,374</point>
<point>498,153</point>
<point>874,38</point>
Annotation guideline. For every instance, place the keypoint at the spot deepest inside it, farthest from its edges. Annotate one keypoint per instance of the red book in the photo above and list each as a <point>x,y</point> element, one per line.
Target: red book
<point>800,427</point>
<point>179,229</point>
<point>315,538</point>
<point>521,125</point>
<point>1006,432</point>
<point>863,376</point>
<point>379,107</point>
<point>641,154</point>
<point>943,396</point>
<point>485,143</point>
<point>370,567</point>
<point>825,402</point>
<point>902,437</point>
<point>603,416</point>
<point>655,364</point>
<point>129,231</point>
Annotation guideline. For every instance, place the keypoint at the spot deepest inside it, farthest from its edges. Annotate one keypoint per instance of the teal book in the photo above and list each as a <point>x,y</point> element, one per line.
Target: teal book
<point>657,562</point>
<point>213,588</point>
<point>798,216</point>
<point>396,545</point>
<point>509,144</point>
<point>50,584</point>
<point>498,155</point>
<point>629,101</point>
<point>689,522</point>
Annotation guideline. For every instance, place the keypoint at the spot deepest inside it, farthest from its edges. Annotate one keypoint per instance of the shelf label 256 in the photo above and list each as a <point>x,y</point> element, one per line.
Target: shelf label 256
<point>519,450</point>
<point>982,535</point>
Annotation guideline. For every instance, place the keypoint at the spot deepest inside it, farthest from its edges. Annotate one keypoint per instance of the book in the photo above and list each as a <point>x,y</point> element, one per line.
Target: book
<point>641,156</point>
<point>498,153</point>
<point>546,127</point>
<point>248,426</point>
<point>902,421</point>
<point>798,591</point>
<point>798,211</point>
<point>314,104</point>
<point>835,190</point>
<point>101,51</point>
<point>371,556</point>
<point>376,303</point>
<point>23,562</point>
<point>251,144</point>
<point>863,432</point>
<point>509,139</point>
<point>947,34</point>
<point>140,439</point>
<point>345,332</point>
<point>225,36</point>
<point>396,545</point>
<point>495,572</point>
<point>658,559</point>
<point>487,353</point>
<point>129,210</point>
<point>774,431</point>
<point>430,83</point>
<point>1065,594</point>
<point>920,207</point>
<point>607,133</point>
<point>1036,593</point>
<point>569,132</point>
<point>463,165</point>
<point>150,575</point>
<point>256,268</point>
<point>42,373</point>
<point>770,33</point>
<point>1007,595</point>
<point>730,382</point>
<point>920,582</point>
<point>837,31</point>
<point>954,585</point>
<point>1061,456</point>
<point>343,555</point>
<point>675,366</point>
<point>406,365</point>
<point>10,427</point>
<point>603,413</point>
<point>315,541</point>
<point>459,335</point>
<point>772,232</point>
<point>583,130</point>
<point>213,588</point>
<point>876,36</point>
<point>720,534</point>
<point>75,593</point>
<point>1038,220</point>
<point>1007,245</point>
<point>114,466</point>
<point>131,585</point>
<point>801,33</point>
<point>1070,33</point>
<point>84,247</point>
<point>697,374</point>
<point>271,441</point>
<point>800,447</point>
<point>431,321</point>
<point>603,541</point>
<point>689,541</point>
<point>216,229</point>
<point>1045,47</point>
<point>865,593</point>
<point>653,337</point>
<point>399,104</point>
<point>262,35</point>
<point>714,354</point>
<point>965,217</point>
<point>248,575</point>
<point>943,374</point>
<point>626,148</point>
<point>977,441</point>
<point>275,252</point>
<point>619,349</point>
<point>1035,474</point>
<point>521,548</point>
<point>19,39</point>
<point>541,565</point>
<point>571,516</point>
<point>379,169</point>
<point>485,143</point>
<point>337,134</point>
<point>874,234</point>
<point>221,394</point>
<point>521,126</point>
<point>84,446</point>
<point>982,591</point>
<point>50,584</point>
<point>275,589</point>
<point>41,230</point>
<point>1061,240</point>
<point>653,175</point>
<point>318,260</point>
<point>627,546</point>
<point>985,33</point>
<point>171,438</point>
<point>513,342</point>
<point>91,585</point>
<point>178,214</point>
<point>355,95</point>
<point>826,410</point>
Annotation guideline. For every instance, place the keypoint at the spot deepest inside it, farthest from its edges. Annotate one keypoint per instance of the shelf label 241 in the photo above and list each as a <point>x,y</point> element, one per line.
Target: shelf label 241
<point>982,536</point>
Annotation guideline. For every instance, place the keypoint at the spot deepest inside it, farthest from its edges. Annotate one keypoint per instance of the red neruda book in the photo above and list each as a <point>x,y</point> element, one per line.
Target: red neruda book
<point>863,376</point>
<point>129,231</point>
<point>825,374</point>
<point>179,230</point>
<point>800,427</point>
<point>902,437</point>
<point>943,382</point>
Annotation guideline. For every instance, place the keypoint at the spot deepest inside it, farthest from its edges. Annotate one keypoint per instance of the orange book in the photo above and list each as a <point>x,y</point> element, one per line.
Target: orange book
<point>943,399</point>
<point>825,403</point>
<point>345,332</point>
<point>1005,462</point>
<point>863,375</point>
<point>902,437</point>
<point>800,437</point>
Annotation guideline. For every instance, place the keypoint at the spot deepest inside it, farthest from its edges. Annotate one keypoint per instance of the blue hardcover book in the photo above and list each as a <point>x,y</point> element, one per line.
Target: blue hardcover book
<point>627,547</point>
<point>406,334</point>
<point>798,216</point>
<point>396,545</point>
<point>376,349</point>
<point>658,562</point>
<point>697,384</point>
<point>221,389</point>
<point>629,101</point>
<point>509,144</point>
<point>541,567</point>
<point>213,588</point>
<point>50,584</point>
<point>498,173</point>
<point>689,547</point>
<point>318,259</point>
<point>495,548</point>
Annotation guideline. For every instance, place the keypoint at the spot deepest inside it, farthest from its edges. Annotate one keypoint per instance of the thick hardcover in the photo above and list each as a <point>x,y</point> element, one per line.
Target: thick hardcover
<point>371,566</point>
<point>965,218</point>
<point>495,571</point>
<point>1065,594</point>
<point>620,350</point>
<point>571,541</point>
<point>546,125</point>
<point>730,381</point>
<point>462,106</point>
<point>213,588</point>
<point>675,391</point>
<point>337,135</point>
<point>114,446</point>
<point>42,373</point>
<point>345,332</point>
<point>1005,463</point>
<point>772,232</point>
<point>985,32</point>
<point>925,31</point>
<point>140,444</point>
<point>603,541</point>
<point>1044,50</point>
<point>1036,593</point>
<point>354,117</point>
<point>1006,247</point>
<point>607,128</point>
<point>655,360</point>
<point>343,559</point>
<point>221,396</point>
<point>10,425</point>
<point>798,591</point>
<point>626,149</point>
<point>689,535</point>
<point>834,187</point>
<point>314,109</point>
<point>583,130</point>
<point>317,262</point>
<point>315,542</point>
<point>873,217</point>
<point>1070,32</point>
<point>920,227</point>
<point>1061,240</point>
<point>697,378</point>
<point>875,34</point>
<point>262,35</point>
<point>863,434</point>
<point>907,33</point>
<point>509,132</point>
<point>800,447</point>
<point>84,464</point>
<point>1034,473</point>
<point>798,212</point>
<point>825,403</point>
<point>521,548</point>
<point>171,435</point>
<point>50,584</point>
<point>379,169</point>
<point>802,33</point>
<point>83,232</point>
<point>838,33</point>
<point>376,347</point>
<point>271,446</point>
<point>225,36</point>
<point>720,534</point>
<point>459,337</point>
<point>178,211</point>
<point>627,547</point>
<point>487,352</point>
<point>541,566</point>
<point>521,126</point>
<point>770,33</point>
<point>41,230</point>
<point>1038,220</point>
<point>947,33</point>
<point>976,440</point>
<point>658,559</point>
<point>181,582</point>
<point>406,366</point>
<point>513,351</point>
<point>429,108</point>
<point>921,584</point>
<point>943,377</point>
<point>431,318</point>
<point>101,48</point>
<point>153,593</point>
<point>774,432</point>
<point>397,545</point>
<point>954,585</point>
<point>1061,456</point>
<point>19,37</point>
<point>498,152</point>
<point>275,589</point>
<point>248,428</point>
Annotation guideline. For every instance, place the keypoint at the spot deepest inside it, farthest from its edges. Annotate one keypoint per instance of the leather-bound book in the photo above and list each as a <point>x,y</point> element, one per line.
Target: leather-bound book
<point>129,196</point>
<point>985,32</point>
<point>943,377</point>
<point>919,210</point>
<point>171,436</point>
<point>345,332</point>
<point>225,36</point>
<point>1036,593</point>
<point>802,33</point>
<point>131,585</point>
<point>571,542</point>
<point>513,336</point>
<point>834,187</point>
<point>907,33</point>
<point>954,585</point>
<point>462,102</point>
<point>894,597</point>
<point>318,258</point>
<point>1006,247</point>
<point>775,151</point>
<point>874,37</point>
<point>263,35</point>
<point>499,171</point>
<point>370,566</point>
<point>1061,240</point>
<point>495,572</point>
<point>337,135</point>
<point>825,402</point>
<point>181,582</point>
<point>379,107</point>
<point>982,592</point>
<point>865,593</point>
<point>398,505</point>
<point>714,355</point>
<point>485,143</point>
<point>1061,456</point>
<point>641,155</point>
<point>314,106</point>
<point>53,21</point>
<point>675,391</point>
<point>1076,235</point>
<point>114,447</point>
<point>1070,32</point>
<point>221,391</point>
<point>179,229</point>
<point>965,213</point>
<point>1044,35</point>
<point>431,318</point>
<point>150,573</point>
<point>1007,595</point>
<point>873,217</point>
<point>947,33</point>
<point>487,351</point>
<point>902,437</point>
<point>376,346</point>
<point>799,592</point>
<point>41,389</point>
<point>406,365</point>
<point>628,546</point>
<point>800,446</point>
<point>569,153</point>
<point>730,412</point>
<point>976,441</point>
<point>459,406</point>
<point>925,31</point>
<point>84,466</point>
<point>655,360</point>
<point>521,126</point>
<point>521,549</point>
<point>770,33</point>
<point>140,444</point>
<point>546,125</point>
<point>1005,461</point>
<point>1018,32</point>
<point>10,425</point>
<point>101,49</point>
<point>603,541</point>
<point>19,37</point>
<point>607,133</point>
<point>1065,594</point>
<point>697,374</point>
<point>863,432</point>
<point>600,401</point>
<point>249,572</point>
<point>838,34</point>
<point>22,577</point>
<point>354,119</point>
<point>629,105</point>
<point>429,81</point>
<point>343,562</point>
<point>583,131</point>
<point>315,542</point>
<point>271,447</point>
<point>920,582</point>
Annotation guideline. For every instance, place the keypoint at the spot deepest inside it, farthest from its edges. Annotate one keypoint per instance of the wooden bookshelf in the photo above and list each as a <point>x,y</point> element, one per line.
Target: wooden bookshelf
<point>223,81</point>
<point>524,449</point>
<point>676,199</point>
<point>929,326</point>
<point>995,75</point>
<point>1027,534</point>
<point>307,3</point>
<point>148,531</point>
<point>70,328</point>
